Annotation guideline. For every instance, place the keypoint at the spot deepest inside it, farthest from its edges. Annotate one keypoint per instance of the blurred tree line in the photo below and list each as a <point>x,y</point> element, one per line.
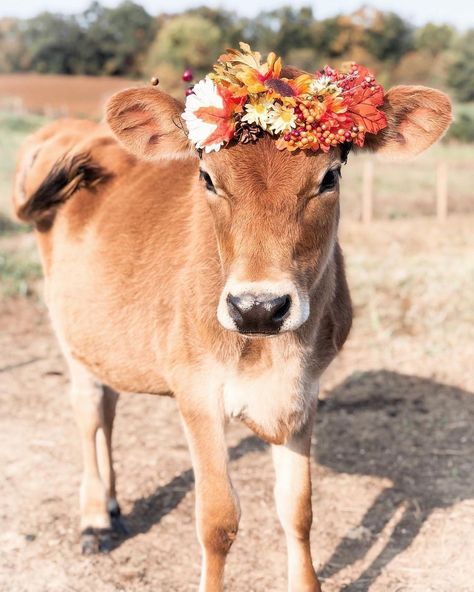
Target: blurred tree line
<point>99,41</point>
<point>127,41</point>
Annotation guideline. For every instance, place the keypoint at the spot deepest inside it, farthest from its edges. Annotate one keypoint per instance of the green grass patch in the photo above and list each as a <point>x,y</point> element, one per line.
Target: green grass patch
<point>20,124</point>
<point>462,129</point>
<point>464,108</point>
<point>9,226</point>
<point>18,274</point>
<point>13,131</point>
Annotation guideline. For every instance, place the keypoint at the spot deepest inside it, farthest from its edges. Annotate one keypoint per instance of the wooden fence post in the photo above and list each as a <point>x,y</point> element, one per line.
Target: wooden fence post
<point>367,192</point>
<point>442,192</point>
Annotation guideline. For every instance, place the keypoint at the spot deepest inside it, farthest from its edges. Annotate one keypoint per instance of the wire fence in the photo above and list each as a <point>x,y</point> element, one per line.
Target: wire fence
<point>440,192</point>
<point>438,184</point>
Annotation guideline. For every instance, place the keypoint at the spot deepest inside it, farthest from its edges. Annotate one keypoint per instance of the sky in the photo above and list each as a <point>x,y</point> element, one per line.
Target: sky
<point>457,12</point>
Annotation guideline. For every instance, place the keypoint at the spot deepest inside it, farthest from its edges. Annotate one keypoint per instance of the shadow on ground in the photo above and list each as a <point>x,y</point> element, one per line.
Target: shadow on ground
<point>148,511</point>
<point>415,432</point>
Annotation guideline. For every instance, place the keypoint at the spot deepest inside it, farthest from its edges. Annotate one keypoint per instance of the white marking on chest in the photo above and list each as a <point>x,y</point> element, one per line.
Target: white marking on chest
<point>276,397</point>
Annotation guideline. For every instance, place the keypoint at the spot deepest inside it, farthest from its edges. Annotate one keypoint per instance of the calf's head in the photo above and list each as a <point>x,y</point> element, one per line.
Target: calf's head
<point>275,212</point>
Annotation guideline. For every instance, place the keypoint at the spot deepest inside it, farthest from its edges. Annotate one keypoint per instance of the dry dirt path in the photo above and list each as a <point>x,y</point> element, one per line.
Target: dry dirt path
<point>393,478</point>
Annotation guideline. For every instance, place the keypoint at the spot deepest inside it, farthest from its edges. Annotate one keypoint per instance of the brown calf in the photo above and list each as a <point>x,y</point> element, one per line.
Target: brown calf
<point>219,280</point>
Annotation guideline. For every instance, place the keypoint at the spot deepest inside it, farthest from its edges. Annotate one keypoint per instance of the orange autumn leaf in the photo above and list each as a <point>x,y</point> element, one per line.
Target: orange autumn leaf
<point>221,117</point>
<point>363,109</point>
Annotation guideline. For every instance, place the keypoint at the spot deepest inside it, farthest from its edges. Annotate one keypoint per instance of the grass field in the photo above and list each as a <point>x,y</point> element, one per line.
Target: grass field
<point>400,190</point>
<point>13,130</point>
<point>403,190</point>
<point>19,264</point>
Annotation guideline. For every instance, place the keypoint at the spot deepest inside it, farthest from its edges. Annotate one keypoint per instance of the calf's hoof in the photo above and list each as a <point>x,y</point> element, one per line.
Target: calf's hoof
<point>96,540</point>
<point>119,526</point>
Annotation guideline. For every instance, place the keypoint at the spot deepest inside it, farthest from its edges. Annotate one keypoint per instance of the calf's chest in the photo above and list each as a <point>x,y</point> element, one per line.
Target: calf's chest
<point>274,402</point>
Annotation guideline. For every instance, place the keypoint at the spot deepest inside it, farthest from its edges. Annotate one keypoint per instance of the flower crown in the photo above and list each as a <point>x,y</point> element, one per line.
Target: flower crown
<point>243,98</point>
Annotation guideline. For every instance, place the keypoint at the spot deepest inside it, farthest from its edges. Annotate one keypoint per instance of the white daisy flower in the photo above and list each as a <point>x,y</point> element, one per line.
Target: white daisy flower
<point>204,95</point>
<point>258,112</point>
<point>324,84</point>
<point>282,118</point>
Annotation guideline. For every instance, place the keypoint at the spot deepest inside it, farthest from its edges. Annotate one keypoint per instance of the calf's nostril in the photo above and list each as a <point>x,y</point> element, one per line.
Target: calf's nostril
<point>234,304</point>
<point>281,308</point>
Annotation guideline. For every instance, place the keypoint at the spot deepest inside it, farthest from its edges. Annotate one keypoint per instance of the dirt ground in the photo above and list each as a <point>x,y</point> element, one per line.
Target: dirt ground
<point>393,478</point>
<point>59,95</point>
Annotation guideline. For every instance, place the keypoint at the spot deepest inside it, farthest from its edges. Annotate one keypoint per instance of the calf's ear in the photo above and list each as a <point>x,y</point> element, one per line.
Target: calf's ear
<point>417,116</point>
<point>148,123</point>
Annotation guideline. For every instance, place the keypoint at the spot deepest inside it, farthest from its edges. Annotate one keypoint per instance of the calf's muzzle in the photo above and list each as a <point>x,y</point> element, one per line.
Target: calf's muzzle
<point>259,313</point>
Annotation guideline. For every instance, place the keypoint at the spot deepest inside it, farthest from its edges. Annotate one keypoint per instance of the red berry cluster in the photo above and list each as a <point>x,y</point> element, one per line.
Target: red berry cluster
<point>329,130</point>
<point>351,81</point>
<point>321,131</point>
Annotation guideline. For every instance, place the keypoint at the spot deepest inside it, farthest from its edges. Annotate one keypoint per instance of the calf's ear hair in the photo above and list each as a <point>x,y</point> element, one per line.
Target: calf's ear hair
<point>417,116</point>
<point>148,123</point>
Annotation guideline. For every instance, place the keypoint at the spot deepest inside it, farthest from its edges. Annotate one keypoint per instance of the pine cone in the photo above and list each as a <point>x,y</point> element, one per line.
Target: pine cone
<point>247,132</point>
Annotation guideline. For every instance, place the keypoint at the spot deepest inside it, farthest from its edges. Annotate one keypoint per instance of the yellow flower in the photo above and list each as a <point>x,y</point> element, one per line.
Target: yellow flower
<point>282,118</point>
<point>258,112</point>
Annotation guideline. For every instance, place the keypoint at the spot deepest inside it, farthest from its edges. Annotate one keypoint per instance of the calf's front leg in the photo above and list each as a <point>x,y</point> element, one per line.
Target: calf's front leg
<point>293,501</point>
<point>217,506</point>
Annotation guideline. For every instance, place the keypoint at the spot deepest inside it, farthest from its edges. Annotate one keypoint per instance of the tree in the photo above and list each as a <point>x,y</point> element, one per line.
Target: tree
<point>259,32</point>
<point>434,39</point>
<point>230,24</point>
<point>461,72</point>
<point>127,41</point>
<point>389,37</point>
<point>99,41</point>
<point>294,29</point>
<point>281,30</point>
<point>54,44</point>
<point>185,41</point>
<point>118,38</point>
<point>419,67</point>
<point>326,39</point>
<point>13,57</point>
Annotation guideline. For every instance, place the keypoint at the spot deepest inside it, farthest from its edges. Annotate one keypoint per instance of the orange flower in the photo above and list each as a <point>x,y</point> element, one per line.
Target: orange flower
<point>333,103</point>
<point>301,84</point>
<point>246,67</point>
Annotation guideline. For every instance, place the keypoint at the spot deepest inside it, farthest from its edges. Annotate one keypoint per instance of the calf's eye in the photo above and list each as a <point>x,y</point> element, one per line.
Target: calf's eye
<point>330,180</point>
<point>207,180</point>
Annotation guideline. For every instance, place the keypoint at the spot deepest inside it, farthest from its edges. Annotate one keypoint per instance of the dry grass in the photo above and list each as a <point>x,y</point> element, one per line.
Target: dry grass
<point>403,190</point>
<point>411,282</point>
<point>400,190</point>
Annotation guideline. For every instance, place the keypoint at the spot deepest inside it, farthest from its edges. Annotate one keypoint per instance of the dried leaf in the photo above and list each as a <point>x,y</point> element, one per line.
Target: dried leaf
<point>363,109</point>
<point>222,117</point>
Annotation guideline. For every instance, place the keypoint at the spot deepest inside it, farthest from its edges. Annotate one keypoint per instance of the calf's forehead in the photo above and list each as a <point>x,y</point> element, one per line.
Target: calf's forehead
<point>260,167</point>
